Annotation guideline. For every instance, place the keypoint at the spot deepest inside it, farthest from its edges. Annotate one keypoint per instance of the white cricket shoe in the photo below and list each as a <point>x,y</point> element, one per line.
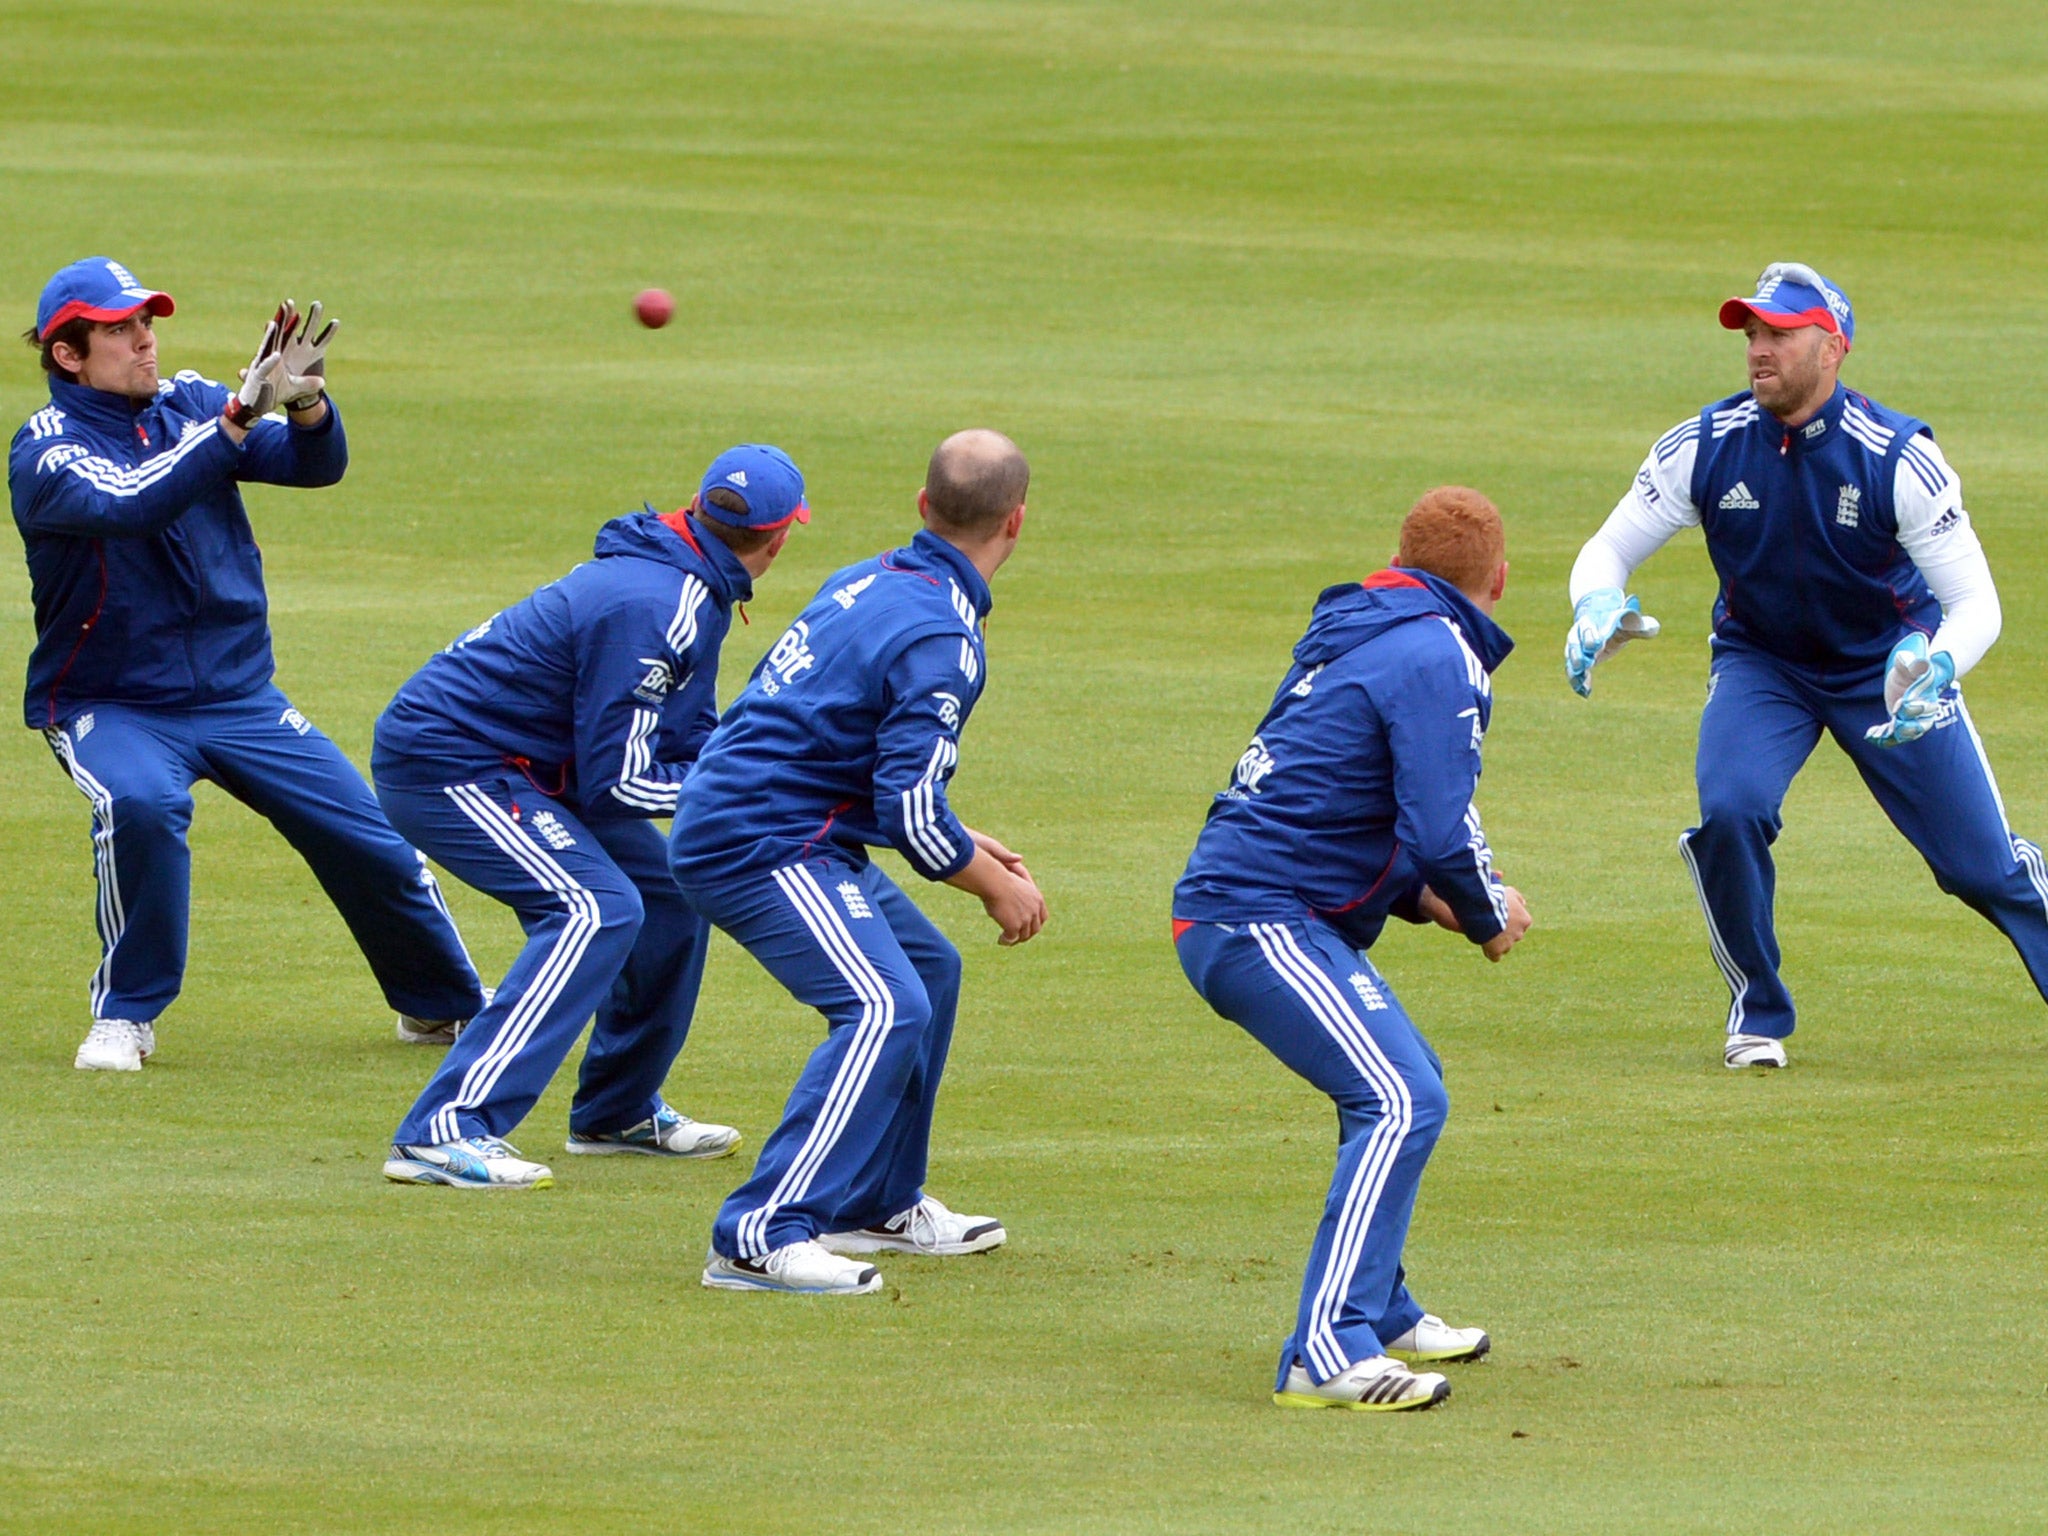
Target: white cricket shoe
<point>803,1268</point>
<point>668,1134</point>
<point>115,1045</point>
<point>1378,1385</point>
<point>1433,1341</point>
<point>1753,1051</point>
<point>927,1228</point>
<point>475,1162</point>
<point>443,1032</point>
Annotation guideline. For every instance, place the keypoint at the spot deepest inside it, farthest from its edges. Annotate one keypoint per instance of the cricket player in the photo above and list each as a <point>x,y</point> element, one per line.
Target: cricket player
<point>1354,801</point>
<point>1853,597</point>
<point>152,664</point>
<point>844,739</point>
<point>530,758</point>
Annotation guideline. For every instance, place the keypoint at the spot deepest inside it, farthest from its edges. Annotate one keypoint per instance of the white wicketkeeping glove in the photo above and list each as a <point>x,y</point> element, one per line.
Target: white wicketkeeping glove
<point>1913,685</point>
<point>1603,621</point>
<point>257,397</point>
<point>304,372</point>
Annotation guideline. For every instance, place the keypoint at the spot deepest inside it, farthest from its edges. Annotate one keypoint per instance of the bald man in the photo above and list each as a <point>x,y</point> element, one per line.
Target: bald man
<point>844,739</point>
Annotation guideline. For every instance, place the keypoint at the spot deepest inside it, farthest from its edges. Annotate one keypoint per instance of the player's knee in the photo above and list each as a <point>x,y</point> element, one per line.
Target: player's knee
<point>910,1005</point>
<point>1429,1105</point>
<point>941,969</point>
<point>620,913</point>
<point>1979,887</point>
<point>152,810</point>
<point>1735,810</point>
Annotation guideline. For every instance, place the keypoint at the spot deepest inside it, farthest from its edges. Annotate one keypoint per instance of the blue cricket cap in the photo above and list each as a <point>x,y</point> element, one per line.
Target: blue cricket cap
<point>95,289</point>
<point>1790,294</point>
<point>765,478</point>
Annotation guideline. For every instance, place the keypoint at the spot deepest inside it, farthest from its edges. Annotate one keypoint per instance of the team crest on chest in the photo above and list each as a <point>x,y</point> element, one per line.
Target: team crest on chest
<point>1849,506</point>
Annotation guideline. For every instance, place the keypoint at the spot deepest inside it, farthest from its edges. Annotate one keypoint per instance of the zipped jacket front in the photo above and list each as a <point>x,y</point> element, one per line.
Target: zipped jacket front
<point>147,582</point>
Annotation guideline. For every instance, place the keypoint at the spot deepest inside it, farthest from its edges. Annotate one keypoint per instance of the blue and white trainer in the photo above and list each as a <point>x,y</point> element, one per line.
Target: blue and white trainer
<point>668,1134</point>
<point>475,1162</point>
<point>804,1269</point>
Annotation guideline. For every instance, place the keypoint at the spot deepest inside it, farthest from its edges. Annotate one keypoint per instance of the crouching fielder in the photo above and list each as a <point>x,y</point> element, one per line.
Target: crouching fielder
<point>844,739</point>
<point>1353,801</point>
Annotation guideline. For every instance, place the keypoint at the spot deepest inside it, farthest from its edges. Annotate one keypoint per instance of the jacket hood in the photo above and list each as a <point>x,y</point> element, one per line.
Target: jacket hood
<point>645,536</point>
<point>1347,616</point>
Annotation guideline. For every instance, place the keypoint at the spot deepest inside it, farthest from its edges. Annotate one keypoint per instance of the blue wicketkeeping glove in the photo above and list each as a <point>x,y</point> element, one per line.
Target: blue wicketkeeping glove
<point>1602,623</point>
<point>1913,685</point>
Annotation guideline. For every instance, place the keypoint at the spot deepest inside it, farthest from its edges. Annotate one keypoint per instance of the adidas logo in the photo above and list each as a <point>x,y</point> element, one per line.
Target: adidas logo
<point>1740,497</point>
<point>739,478</point>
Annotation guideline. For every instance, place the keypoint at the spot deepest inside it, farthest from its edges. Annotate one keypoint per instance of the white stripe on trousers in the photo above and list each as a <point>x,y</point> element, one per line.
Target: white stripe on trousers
<point>440,901</point>
<point>2028,855</point>
<point>1383,1147</point>
<point>554,973</point>
<point>878,1017</point>
<point>110,915</point>
<point>1738,983</point>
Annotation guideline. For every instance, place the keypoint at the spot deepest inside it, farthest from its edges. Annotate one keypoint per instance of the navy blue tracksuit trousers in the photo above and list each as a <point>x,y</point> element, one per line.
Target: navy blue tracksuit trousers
<point>852,1146</point>
<point>137,764</point>
<point>607,932</point>
<point>1320,1006</point>
<point>1761,723</point>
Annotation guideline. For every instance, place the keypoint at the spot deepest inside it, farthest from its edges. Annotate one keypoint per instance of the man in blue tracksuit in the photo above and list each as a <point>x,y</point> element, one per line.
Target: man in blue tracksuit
<point>530,758</point>
<point>844,739</point>
<point>1353,801</point>
<point>1853,596</point>
<point>152,664</point>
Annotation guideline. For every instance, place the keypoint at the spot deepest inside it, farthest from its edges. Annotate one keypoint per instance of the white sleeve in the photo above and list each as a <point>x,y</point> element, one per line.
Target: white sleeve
<point>1658,505</point>
<point>1935,532</point>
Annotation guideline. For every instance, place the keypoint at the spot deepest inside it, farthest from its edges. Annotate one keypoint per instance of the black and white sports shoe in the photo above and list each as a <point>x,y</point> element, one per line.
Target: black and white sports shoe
<point>1753,1051</point>
<point>926,1228</point>
<point>1378,1385</point>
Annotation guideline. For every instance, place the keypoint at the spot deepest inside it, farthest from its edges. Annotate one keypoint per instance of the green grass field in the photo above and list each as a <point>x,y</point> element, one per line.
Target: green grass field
<point>1243,279</point>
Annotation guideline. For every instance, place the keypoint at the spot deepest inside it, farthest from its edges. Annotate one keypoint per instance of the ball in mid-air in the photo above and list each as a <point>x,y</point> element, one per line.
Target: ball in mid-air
<point>654,307</point>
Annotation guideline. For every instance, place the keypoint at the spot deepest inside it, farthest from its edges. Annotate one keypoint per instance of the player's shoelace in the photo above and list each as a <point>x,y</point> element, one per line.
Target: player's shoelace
<point>920,1225</point>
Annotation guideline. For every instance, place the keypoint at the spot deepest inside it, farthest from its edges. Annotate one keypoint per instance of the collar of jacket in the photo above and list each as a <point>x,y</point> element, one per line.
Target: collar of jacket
<point>95,406</point>
<point>1349,615</point>
<point>1816,431</point>
<point>936,551</point>
<point>652,536</point>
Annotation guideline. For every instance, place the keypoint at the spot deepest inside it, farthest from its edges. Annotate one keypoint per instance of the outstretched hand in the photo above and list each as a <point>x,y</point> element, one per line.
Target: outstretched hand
<point>303,379</point>
<point>1603,621</point>
<point>261,380</point>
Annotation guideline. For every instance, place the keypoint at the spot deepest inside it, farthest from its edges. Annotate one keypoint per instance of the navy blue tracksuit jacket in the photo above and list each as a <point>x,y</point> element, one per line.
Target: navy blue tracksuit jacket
<point>1357,788</point>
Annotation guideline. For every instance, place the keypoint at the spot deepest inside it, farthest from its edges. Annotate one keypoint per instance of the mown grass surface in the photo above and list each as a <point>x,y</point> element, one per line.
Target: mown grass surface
<point>1243,280</point>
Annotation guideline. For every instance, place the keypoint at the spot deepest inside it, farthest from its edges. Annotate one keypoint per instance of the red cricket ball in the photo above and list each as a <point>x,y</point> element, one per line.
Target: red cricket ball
<point>654,307</point>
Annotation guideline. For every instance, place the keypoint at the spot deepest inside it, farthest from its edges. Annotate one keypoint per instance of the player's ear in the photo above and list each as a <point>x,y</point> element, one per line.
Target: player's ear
<point>1500,581</point>
<point>1013,526</point>
<point>775,544</point>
